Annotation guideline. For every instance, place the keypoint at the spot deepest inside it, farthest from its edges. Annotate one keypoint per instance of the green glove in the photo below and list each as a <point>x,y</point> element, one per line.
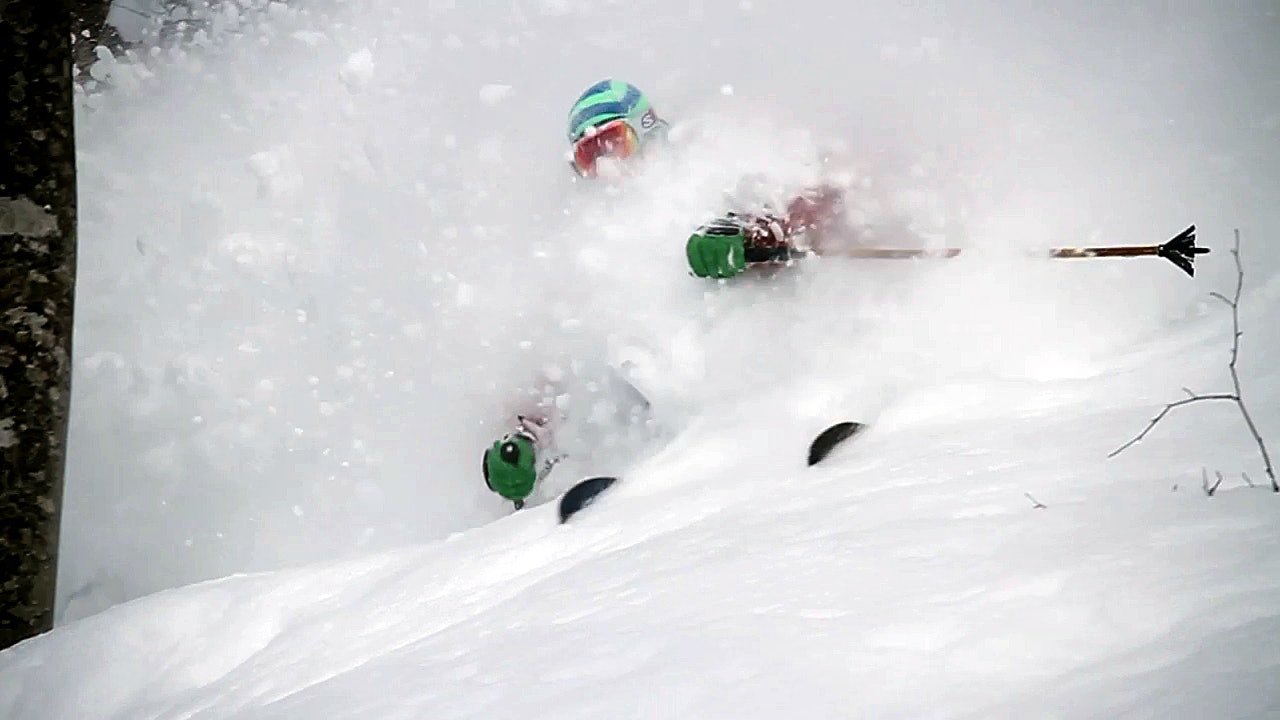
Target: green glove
<point>509,467</point>
<point>718,249</point>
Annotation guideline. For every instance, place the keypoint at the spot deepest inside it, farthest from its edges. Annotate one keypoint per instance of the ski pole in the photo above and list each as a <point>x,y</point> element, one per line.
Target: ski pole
<point>1180,250</point>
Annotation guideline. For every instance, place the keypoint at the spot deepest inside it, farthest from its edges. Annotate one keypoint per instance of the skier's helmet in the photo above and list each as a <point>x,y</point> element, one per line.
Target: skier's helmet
<point>610,119</point>
<point>509,466</point>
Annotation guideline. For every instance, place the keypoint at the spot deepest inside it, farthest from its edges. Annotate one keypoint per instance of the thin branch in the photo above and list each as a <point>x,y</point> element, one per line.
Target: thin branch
<point>1247,481</point>
<point>1237,396</point>
<point>1034,502</point>
<point>1235,355</point>
<point>1167,408</point>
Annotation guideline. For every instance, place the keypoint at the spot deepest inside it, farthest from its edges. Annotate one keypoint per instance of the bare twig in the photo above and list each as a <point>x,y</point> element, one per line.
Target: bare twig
<point>1167,408</point>
<point>1237,396</point>
<point>1204,482</point>
<point>1034,502</point>
<point>1247,481</point>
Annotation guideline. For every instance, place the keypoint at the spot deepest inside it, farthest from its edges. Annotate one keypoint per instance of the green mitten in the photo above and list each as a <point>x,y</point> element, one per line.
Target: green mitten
<point>510,467</point>
<point>718,249</point>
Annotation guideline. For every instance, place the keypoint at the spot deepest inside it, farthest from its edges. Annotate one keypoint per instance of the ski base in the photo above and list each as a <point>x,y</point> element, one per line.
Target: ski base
<point>831,438</point>
<point>583,494</point>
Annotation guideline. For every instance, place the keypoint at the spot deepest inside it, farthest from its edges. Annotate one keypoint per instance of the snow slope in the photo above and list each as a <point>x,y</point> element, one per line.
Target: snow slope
<point>909,577</point>
<point>325,246</point>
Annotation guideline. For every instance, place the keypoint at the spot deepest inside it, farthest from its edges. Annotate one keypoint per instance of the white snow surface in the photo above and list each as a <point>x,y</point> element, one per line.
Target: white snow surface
<point>319,271</point>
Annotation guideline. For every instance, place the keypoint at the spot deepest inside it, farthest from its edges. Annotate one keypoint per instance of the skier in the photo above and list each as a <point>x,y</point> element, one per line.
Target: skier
<point>612,125</point>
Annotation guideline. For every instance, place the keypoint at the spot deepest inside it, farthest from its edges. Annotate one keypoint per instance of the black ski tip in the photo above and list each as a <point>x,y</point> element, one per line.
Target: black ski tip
<point>828,439</point>
<point>583,494</point>
<point>1182,250</point>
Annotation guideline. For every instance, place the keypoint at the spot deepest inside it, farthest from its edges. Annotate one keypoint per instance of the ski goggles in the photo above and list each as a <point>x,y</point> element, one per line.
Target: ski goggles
<point>615,138</point>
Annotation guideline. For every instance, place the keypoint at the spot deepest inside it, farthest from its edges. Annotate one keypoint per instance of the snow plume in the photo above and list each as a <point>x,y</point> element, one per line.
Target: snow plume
<point>324,246</point>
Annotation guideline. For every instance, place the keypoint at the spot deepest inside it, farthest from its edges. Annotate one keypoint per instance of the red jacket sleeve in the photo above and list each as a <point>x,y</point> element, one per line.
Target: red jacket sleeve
<point>814,209</point>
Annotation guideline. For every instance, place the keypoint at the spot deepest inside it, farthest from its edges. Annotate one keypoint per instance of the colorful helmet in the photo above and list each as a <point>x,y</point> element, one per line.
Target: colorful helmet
<point>611,118</point>
<point>509,466</point>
